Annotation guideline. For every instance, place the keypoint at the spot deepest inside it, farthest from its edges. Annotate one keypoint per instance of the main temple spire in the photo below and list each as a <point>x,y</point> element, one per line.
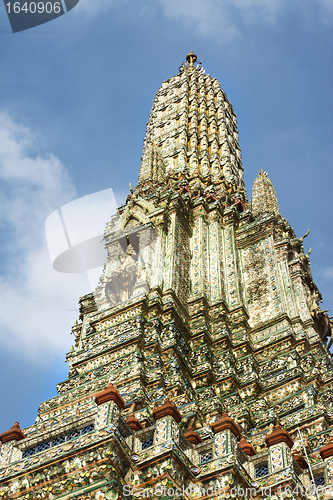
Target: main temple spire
<point>200,361</point>
<point>192,133</point>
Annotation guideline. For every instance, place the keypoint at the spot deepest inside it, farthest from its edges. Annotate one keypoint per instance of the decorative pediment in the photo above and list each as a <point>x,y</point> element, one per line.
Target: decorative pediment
<point>136,218</point>
<point>136,210</point>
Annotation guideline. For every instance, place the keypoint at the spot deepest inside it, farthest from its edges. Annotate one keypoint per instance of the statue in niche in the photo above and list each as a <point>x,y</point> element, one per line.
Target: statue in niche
<point>323,323</point>
<point>297,252</point>
<point>305,261</point>
<point>297,245</point>
<point>120,285</point>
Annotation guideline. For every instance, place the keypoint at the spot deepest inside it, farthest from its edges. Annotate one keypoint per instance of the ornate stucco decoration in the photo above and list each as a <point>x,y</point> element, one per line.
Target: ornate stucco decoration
<point>137,209</point>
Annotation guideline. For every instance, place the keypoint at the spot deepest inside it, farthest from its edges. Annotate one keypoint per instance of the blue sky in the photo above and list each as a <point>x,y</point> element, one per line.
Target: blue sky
<point>75,96</point>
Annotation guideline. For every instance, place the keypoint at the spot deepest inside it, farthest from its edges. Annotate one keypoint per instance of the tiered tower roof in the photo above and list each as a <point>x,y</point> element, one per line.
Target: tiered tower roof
<point>192,133</point>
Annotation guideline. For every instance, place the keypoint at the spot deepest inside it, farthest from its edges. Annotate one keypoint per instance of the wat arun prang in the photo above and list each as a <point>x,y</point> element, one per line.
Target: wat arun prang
<point>201,365</point>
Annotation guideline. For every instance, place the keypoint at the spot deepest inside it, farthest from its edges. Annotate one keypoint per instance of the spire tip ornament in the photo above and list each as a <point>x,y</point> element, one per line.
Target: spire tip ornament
<point>191,58</point>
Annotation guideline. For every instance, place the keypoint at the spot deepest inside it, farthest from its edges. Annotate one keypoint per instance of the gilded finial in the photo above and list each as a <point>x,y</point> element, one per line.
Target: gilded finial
<point>191,59</point>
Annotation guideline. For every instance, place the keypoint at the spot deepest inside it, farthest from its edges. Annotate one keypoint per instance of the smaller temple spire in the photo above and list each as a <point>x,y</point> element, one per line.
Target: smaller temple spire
<point>264,198</point>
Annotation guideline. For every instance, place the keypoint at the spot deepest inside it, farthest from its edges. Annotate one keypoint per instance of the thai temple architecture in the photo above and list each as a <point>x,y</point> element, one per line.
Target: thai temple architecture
<point>201,367</point>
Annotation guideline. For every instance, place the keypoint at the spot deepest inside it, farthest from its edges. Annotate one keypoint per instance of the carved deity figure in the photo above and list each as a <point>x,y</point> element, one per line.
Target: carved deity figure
<point>119,286</point>
<point>323,323</point>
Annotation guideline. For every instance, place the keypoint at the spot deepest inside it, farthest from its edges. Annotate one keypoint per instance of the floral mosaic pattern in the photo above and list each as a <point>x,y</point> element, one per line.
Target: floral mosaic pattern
<point>276,458</point>
<point>221,443</point>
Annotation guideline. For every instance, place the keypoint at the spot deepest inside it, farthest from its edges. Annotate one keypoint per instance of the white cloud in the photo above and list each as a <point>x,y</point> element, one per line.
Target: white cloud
<point>213,18</point>
<point>225,18</point>
<point>207,18</point>
<point>39,182</point>
<point>34,298</point>
<point>95,6</point>
<point>327,10</point>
